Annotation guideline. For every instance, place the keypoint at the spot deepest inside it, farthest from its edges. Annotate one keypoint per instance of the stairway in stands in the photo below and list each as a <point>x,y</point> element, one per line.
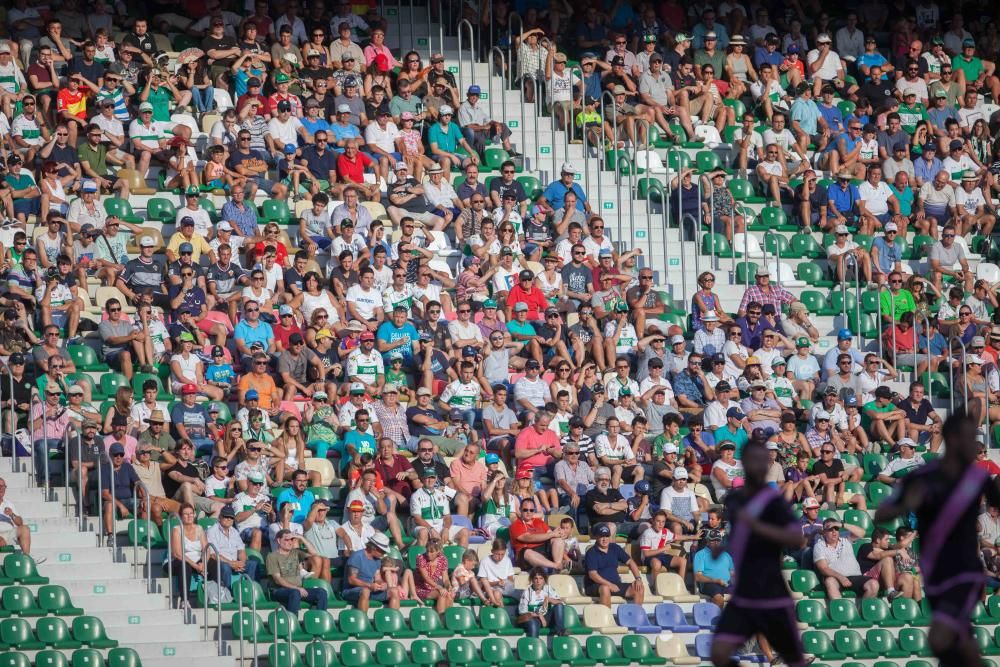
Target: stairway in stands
<point>115,592</point>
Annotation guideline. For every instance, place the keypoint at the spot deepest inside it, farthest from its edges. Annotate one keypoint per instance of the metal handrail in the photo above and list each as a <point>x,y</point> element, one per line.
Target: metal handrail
<point>113,536</point>
<point>534,116</point>
<point>489,84</point>
<point>461,53</point>
<point>926,328</point>
<point>35,398</point>
<point>770,233</point>
<point>510,44</point>
<point>711,224</point>
<point>614,152</point>
<point>675,150</point>
<point>147,500</point>
<point>571,123</point>
<point>13,443</point>
<point>633,173</point>
<point>951,372</point>
<point>253,611</point>
<point>170,564</point>
<point>892,315</point>
<point>218,601</point>
<point>858,292</point>
<point>79,482</point>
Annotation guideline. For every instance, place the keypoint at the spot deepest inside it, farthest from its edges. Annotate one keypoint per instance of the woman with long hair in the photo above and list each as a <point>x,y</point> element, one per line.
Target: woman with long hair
<point>187,544</point>
<point>291,447</point>
<point>122,407</point>
<point>314,296</point>
<point>432,577</point>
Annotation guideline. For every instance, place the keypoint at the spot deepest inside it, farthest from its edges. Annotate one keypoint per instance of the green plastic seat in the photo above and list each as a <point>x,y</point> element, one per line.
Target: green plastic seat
<point>251,591</point>
<point>356,654</point>
<point>773,217</point>
<point>320,654</point>
<point>602,649</point>
<point>872,464</point>
<point>904,612</point>
<point>281,624</point>
<point>274,210</point>
<point>806,582</point>
<point>319,624</point>
<point>814,300</point>
<point>281,655</point>
<point>355,623</point>
<point>813,614</point>
<point>121,208</point>
<point>496,651</point>
<point>54,633</point>
<point>206,204</point>
<point>390,652</point>
<point>390,623</point>
<point>531,651</point>
<point>639,651</point>
<point>21,569</point>
<point>463,653</point>
<point>707,161</point>
<point>532,186</point>
<point>247,625</point>
<point>741,189</point>
<point>876,612</point>
<point>139,529</point>
<point>715,244</point>
<point>921,245</point>
<point>861,519</point>
<point>162,209</point>
<point>85,358</point>
<point>454,553</point>
<point>842,303</point>
<point>745,272</point>
<point>573,623</point>
<point>20,601</point>
<point>461,621</point>
<point>494,156</point>
<point>567,651</point>
<point>882,643</point>
<point>14,659</point>
<point>877,492</point>
<point>89,630</point>
<point>678,160</point>
<point>17,632</point>
<point>84,657</point>
<point>983,639</point>
<point>422,652</point>
<point>993,607</point>
<point>650,188</point>
<point>850,643</point>
<point>805,246</point>
<point>497,622</point>
<point>811,273</point>
<point>844,613</point>
<point>110,382</point>
<point>819,645</point>
<point>427,622</point>
<point>123,656</point>
<point>914,642</point>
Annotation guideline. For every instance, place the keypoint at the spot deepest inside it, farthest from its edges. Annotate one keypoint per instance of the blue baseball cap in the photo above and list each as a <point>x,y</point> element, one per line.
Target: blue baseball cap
<point>844,334</point>
<point>492,458</point>
<point>290,148</point>
<point>251,395</point>
<point>474,90</point>
<point>851,400</point>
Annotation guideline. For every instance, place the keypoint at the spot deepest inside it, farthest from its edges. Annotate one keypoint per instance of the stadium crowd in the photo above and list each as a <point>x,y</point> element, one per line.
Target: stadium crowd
<point>533,397</point>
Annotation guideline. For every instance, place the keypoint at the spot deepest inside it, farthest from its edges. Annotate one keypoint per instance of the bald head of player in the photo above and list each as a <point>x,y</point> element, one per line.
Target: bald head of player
<point>960,436</point>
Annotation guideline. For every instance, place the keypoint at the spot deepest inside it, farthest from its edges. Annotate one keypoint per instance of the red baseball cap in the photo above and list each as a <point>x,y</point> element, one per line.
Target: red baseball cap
<point>189,389</point>
<point>368,335</point>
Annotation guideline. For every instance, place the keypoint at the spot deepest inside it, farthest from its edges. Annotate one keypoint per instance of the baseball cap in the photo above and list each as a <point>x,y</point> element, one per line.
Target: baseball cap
<point>810,504</point>
<point>891,227</point>
<point>680,473</point>
<point>116,449</point>
<point>492,458</point>
<point>424,391</point>
<point>940,93</point>
<point>446,110</point>
<point>183,248</point>
<point>343,108</point>
<point>357,389</point>
<point>367,335</point>
<point>520,307</point>
<point>473,90</point>
<point>532,364</point>
<point>224,226</point>
<point>89,186</point>
<point>75,389</point>
<point>735,413</point>
<point>674,340</point>
<point>603,530</point>
<point>253,82</point>
<point>251,395</point>
<point>851,400</point>
<point>227,512</point>
<point>670,448</point>
<point>189,389</point>
<point>906,442</point>
<point>844,334</point>
<point>145,106</point>
<point>955,144</point>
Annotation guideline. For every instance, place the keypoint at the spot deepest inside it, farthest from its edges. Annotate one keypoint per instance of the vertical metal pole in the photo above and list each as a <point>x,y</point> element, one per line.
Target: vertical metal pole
<point>66,471</point>
<point>45,448</point>
<point>664,213</point>
<point>892,314</point>
<point>927,379</point>
<point>857,307</point>
<point>412,21</point>
<point>711,224</point>
<point>82,498</point>
<point>100,501</point>
<point>31,426</point>
<point>503,94</point>
<point>218,579</point>
<point>534,122</point>
<point>253,609</point>
<point>114,535</point>
<point>633,174</point>
<point>430,40</point>
<point>680,218</point>
<point>697,224</point>
<point>461,53</point>
<point>241,612</point>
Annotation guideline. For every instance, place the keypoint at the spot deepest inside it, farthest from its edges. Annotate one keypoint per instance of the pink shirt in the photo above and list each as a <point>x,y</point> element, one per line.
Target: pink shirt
<point>531,439</point>
<point>470,479</point>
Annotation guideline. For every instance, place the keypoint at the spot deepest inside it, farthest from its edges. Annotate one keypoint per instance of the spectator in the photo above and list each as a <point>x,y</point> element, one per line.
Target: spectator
<point>713,569</point>
<point>285,568</point>
<point>601,564</point>
<point>837,565</point>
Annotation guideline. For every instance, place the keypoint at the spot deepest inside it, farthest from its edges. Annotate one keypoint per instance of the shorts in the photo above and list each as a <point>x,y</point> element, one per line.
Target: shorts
<point>111,358</point>
<point>739,623</point>
<point>953,605</point>
<point>354,594</point>
<point>8,533</point>
<point>664,559</point>
<point>711,589</point>
<point>59,318</point>
<point>247,534</point>
<point>322,242</point>
<point>544,549</point>
<point>594,589</point>
<point>858,582</point>
<point>453,531</point>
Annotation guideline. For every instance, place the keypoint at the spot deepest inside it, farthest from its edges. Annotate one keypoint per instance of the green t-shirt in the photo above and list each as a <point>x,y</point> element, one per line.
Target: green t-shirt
<point>910,116</point>
<point>160,99</point>
<point>866,421</point>
<point>717,61</point>
<point>904,303</point>
<point>739,438</point>
<point>521,328</point>
<point>663,440</point>
<point>972,67</point>
<point>97,158</point>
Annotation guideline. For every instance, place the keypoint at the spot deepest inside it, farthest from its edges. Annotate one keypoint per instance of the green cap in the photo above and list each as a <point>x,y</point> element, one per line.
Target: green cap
<point>778,361</point>
<point>281,77</point>
<point>256,478</point>
<point>186,336</point>
<point>192,190</point>
<point>490,303</point>
<point>802,341</point>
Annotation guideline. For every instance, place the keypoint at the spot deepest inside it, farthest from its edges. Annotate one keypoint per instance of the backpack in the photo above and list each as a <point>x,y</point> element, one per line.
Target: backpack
<point>215,594</point>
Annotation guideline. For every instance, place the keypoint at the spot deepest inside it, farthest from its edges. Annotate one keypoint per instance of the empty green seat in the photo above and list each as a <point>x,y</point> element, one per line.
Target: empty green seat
<point>531,651</point>
<point>707,161</point>
<point>813,614</point>
<point>281,624</point>
<point>355,623</point>
<point>463,653</point>
<point>85,358</point>
<point>905,612</point>
<point>805,246</point>
<point>638,650</point>
<point>320,654</point>
<point>283,655</point>
<point>355,654</point>
<point>461,621</point>
<point>850,643</point>
<point>122,209</point>
<point>814,300</point>
<point>86,657</point>
<point>494,156</point>
<point>422,652</point>
<point>861,519</point>
<point>532,186</point>
<point>427,622</point>
<point>275,210</point>
<point>17,632</point>
<point>819,645</point>
<point>497,621</point>
<point>914,642</point>
<point>162,209</point>
<point>390,623</point>
<point>842,303</point>
<point>21,568</point>
<point>875,611</point>
<point>496,651</point>
<point>882,643</point>
<point>573,623</point>
<point>14,659</point>
<point>54,633</point>
<point>745,271</point>
<point>249,591</point>
<point>805,582</point>
<point>89,630</point>
<point>123,657</point>
<point>844,613</point>
<point>602,649</point>
<point>20,601</point>
<point>811,273</point>
<point>567,651</point>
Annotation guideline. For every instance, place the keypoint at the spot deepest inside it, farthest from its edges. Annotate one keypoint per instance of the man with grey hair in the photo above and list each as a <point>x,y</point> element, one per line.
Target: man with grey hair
<point>604,504</point>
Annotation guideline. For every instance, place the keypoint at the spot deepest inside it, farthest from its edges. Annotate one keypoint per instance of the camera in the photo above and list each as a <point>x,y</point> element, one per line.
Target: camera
<point>52,273</point>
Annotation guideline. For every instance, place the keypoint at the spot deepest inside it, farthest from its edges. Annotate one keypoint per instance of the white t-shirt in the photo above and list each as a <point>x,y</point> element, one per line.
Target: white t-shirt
<point>284,133</point>
<point>493,571</point>
<point>679,503</point>
<point>650,539</point>
<point>384,139</point>
<point>830,66</point>
<point>969,202</point>
<point>876,198</point>
<point>431,506</point>
<point>366,301</point>
<point>618,452</point>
